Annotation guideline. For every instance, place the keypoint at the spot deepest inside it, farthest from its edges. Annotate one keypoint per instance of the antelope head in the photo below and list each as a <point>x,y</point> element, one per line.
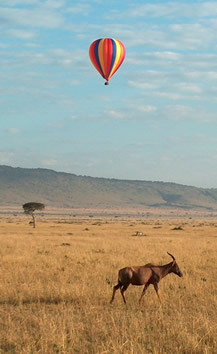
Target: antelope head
<point>175,268</point>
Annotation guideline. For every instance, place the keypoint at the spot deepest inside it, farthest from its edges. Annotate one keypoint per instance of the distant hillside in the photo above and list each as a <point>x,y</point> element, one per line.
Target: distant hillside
<point>64,190</point>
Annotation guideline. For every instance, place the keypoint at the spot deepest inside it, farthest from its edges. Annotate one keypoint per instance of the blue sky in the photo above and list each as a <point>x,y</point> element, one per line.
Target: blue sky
<point>157,120</point>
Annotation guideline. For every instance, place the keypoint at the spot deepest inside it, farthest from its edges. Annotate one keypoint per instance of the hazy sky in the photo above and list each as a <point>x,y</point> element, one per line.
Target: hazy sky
<point>157,120</point>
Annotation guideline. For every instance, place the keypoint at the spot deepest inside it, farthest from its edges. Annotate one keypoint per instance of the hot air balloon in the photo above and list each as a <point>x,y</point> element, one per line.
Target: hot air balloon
<point>107,55</point>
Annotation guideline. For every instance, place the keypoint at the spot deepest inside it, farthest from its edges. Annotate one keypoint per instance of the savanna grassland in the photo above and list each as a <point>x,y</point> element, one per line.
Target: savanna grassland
<point>56,283</point>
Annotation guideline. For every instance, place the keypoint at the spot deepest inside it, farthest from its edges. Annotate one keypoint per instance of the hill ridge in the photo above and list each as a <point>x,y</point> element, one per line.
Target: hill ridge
<point>66,190</point>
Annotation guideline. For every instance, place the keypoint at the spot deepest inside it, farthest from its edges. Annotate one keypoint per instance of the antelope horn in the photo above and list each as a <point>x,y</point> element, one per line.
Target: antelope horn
<point>171,256</point>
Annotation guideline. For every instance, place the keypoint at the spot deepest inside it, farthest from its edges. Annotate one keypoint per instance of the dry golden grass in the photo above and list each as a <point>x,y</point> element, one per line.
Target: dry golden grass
<point>56,282</point>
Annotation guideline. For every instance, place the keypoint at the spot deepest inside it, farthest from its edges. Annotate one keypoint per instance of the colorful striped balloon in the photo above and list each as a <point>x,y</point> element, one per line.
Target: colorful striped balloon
<point>107,55</point>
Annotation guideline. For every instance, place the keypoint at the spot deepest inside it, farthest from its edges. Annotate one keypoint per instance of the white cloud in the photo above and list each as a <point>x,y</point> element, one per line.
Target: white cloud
<point>179,111</point>
<point>6,157</point>
<point>208,76</point>
<point>170,37</point>
<point>189,87</point>
<point>22,34</point>
<point>147,109</point>
<point>37,17</point>
<point>169,95</point>
<point>18,2</point>
<point>55,4</point>
<point>81,9</point>
<point>56,57</point>
<point>75,82</point>
<point>73,117</point>
<point>49,163</point>
<point>142,85</point>
<point>173,9</point>
<point>114,114</point>
<point>14,131</point>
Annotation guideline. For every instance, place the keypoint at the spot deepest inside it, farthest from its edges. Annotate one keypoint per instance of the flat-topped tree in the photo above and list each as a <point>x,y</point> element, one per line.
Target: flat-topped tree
<point>30,208</point>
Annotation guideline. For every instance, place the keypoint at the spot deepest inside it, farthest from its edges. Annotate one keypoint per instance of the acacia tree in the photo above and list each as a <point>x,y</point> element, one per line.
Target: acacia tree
<point>31,207</point>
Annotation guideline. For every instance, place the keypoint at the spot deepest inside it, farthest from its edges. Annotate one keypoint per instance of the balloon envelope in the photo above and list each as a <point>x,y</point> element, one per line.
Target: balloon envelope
<point>107,55</point>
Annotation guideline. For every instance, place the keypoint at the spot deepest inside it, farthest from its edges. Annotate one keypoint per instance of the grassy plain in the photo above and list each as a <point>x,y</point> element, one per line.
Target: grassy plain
<point>56,282</point>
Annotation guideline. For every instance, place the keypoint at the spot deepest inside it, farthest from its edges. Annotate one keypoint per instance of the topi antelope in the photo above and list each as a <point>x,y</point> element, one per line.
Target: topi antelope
<point>144,275</point>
